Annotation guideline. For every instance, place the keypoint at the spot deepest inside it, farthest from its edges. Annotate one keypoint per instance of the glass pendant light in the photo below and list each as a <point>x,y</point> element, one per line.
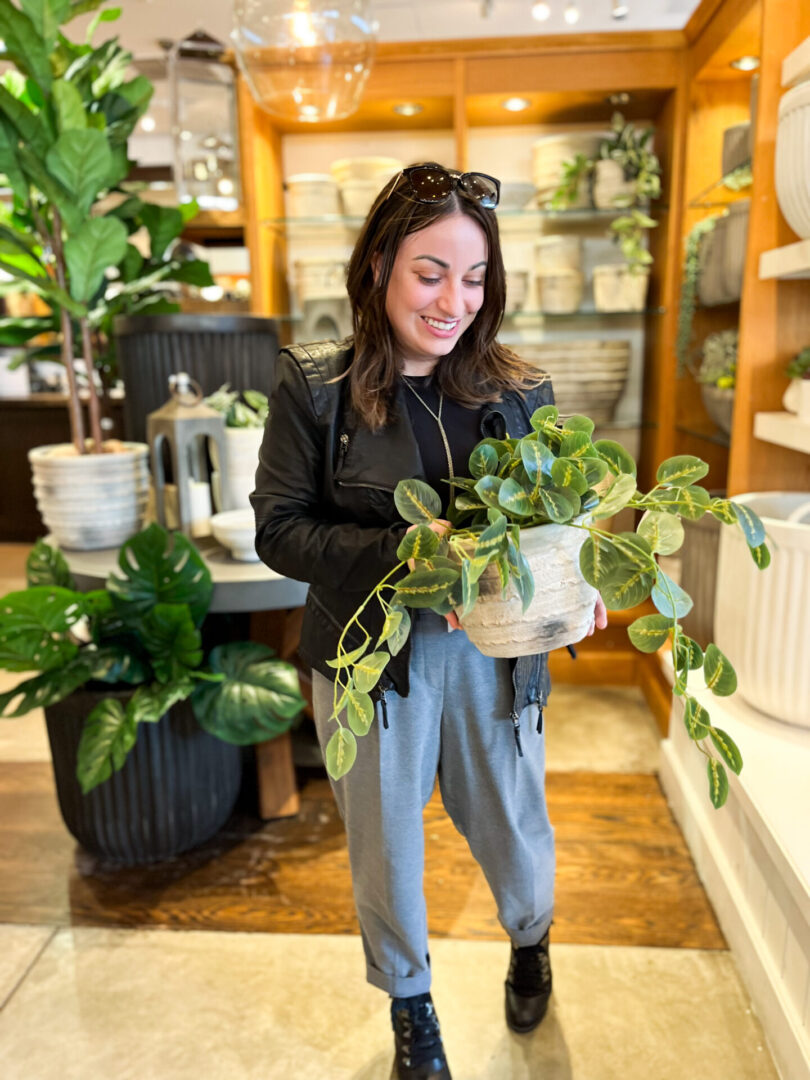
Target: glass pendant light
<point>305,59</point>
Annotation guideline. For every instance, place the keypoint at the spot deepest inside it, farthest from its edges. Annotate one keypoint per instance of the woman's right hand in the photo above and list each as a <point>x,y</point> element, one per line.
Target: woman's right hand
<point>440,527</point>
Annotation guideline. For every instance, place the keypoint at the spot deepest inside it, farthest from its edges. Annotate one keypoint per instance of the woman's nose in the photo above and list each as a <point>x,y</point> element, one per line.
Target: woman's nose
<point>451,300</point>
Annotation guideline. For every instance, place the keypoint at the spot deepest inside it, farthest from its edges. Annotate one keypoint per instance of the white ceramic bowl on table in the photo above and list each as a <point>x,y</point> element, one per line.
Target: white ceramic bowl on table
<point>236,531</point>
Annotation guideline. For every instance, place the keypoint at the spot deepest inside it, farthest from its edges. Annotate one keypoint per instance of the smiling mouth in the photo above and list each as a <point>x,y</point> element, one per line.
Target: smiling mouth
<point>438,324</point>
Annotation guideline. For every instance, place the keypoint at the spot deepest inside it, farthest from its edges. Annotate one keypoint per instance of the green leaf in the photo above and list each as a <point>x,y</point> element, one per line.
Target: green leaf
<point>150,703</point>
<point>546,414</point>
<point>368,669</point>
<point>560,506</point>
<point>258,698</point>
<point>688,654</point>
<point>681,471</point>
<point>359,711</point>
<point>346,659</point>
<point>164,224</point>
<point>28,126</point>
<point>751,524</point>
<point>689,502</point>
<point>418,543</point>
<point>46,17</point>
<point>728,749</point>
<point>649,632</point>
<point>110,15</point>
<point>577,445</point>
<point>594,470</point>
<point>45,689</point>
<point>341,751</point>
<point>536,458</point>
<point>469,589</point>
<point>160,567</point>
<point>422,588</point>
<point>193,272</point>
<point>718,783</point>
<point>566,473</point>
<point>130,266</point>
<point>172,640</point>
<point>493,538</point>
<point>670,598</point>
<point>723,511</point>
<point>488,489</point>
<point>521,575</point>
<point>417,502</point>
<point>70,110</point>
<point>9,162</point>
<point>46,565</point>
<point>577,423</point>
<point>483,461</point>
<point>399,635</point>
<point>513,498</point>
<point>80,160</point>
<point>619,494</point>
<point>108,736</point>
<point>98,245</point>
<point>617,458</point>
<point>392,623</point>
<point>598,558</point>
<point>663,532</point>
<point>26,44</point>
<point>55,192</point>
<point>34,625</point>
<point>696,718</point>
<point>761,556</point>
<point>626,586</point>
<point>720,676</point>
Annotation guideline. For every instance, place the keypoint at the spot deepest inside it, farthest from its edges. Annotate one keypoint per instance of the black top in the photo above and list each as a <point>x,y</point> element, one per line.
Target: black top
<point>461,423</point>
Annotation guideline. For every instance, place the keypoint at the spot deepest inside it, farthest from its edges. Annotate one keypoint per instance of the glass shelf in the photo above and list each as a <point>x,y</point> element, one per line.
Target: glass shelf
<point>535,214</point>
<point>717,437</point>
<point>583,313</point>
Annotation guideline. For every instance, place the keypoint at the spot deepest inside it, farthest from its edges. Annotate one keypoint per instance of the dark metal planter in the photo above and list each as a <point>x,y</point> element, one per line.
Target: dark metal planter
<point>213,349</point>
<point>176,789</point>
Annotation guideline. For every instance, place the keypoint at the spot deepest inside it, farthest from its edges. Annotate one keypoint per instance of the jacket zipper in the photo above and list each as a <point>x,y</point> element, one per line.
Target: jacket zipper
<point>344,447</point>
<point>384,708</point>
<point>514,716</point>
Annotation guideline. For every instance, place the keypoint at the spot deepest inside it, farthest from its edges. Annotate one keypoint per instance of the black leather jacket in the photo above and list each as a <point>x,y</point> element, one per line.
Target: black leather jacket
<point>325,510</point>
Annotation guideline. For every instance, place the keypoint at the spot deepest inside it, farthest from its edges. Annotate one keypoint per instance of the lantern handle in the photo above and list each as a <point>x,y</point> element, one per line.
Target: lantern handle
<point>184,389</point>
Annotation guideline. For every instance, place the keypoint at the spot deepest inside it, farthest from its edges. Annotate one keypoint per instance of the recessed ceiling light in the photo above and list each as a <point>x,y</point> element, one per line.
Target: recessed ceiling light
<point>541,11</point>
<point>148,123</point>
<point>408,108</point>
<point>746,63</point>
<point>620,9</point>
<point>571,14</point>
<point>620,98</point>
<point>516,104</point>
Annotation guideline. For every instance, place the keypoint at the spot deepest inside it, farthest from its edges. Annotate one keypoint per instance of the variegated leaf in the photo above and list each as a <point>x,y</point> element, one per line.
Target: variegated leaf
<point>681,471</point>
<point>341,752</point>
<point>649,632</point>
<point>359,712</point>
<point>663,532</point>
<point>696,718</point>
<point>368,669</point>
<point>728,749</point>
<point>417,502</point>
<point>718,783</point>
<point>720,676</point>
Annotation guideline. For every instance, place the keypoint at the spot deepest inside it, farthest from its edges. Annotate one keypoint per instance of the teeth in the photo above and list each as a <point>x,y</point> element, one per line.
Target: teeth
<point>440,325</point>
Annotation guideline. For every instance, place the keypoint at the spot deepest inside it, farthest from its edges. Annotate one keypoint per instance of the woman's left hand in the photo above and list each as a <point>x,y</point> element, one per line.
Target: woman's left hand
<point>600,620</point>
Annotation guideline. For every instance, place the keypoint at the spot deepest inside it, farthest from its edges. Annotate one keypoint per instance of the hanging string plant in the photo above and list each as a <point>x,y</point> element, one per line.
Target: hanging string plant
<point>689,289</point>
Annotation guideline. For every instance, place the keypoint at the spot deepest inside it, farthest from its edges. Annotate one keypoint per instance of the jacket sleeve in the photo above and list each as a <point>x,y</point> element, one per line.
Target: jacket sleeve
<point>293,535</point>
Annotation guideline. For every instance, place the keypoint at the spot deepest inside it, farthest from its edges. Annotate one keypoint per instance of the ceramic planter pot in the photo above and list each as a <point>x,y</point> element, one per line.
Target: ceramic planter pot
<point>736,147</point>
<point>554,252</point>
<point>559,292</point>
<point>562,608</point>
<point>548,155</point>
<point>711,287</point>
<point>589,376</point>
<point>804,400</point>
<point>792,153</point>
<point>232,491</point>
<point>719,404</point>
<point>615,288</point>
<point>610,189</point>
<point>91,501</point>
<point>517,289</point>
<point>735,238</point>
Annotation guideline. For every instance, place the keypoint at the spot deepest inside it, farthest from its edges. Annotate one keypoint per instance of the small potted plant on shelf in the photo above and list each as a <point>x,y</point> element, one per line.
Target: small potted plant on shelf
<point>244,430</point>
<point>66,113</point>
<point>573,189</point>
<point>627,172</point>
<point>623,286</point>
<point>523,560</point>
<point>144,722</point>
<point>717,376</point>
<point>797,396</point>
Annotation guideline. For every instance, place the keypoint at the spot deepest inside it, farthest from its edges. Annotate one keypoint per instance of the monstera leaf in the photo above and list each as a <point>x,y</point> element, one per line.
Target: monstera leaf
<point>172,641</point>
<point>46,566</point>
<point>34,628</point>
<point>108,736</point>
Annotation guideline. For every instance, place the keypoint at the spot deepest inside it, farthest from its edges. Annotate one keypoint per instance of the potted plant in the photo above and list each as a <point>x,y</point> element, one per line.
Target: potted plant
<point>627,172</point>
<point>623,286</point>
<point>797,396</point>
<point>66,113</point>
<point>572,191</point>
<point>528,501</point>
<point>717,376</point>
<point>244,430</point>
<point>144,722</point>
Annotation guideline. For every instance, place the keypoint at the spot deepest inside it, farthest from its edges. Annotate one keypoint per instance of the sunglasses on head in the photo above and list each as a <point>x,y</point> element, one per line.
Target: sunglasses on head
<point>433,184</point>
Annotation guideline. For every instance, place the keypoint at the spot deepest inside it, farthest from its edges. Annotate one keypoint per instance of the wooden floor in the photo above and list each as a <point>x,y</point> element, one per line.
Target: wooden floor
<point>625,876</point>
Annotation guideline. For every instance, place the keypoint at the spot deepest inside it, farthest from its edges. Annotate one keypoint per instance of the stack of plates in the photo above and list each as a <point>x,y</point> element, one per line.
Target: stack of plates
<point>587,376</point>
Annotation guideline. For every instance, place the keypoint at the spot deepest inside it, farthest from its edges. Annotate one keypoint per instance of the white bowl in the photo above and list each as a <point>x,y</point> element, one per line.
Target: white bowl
<point>236,531</point>
<point>365,168</point>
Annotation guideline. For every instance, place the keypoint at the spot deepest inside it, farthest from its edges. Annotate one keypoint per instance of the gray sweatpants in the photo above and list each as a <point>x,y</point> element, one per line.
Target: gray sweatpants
<point>454,722</point>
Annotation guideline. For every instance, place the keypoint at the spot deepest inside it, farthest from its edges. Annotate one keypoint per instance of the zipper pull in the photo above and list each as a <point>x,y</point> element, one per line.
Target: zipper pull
<point>382,700</point>
<point>513,716</point>
<point>539,719</point>
<point>344,443</point>
<point>572,650</point>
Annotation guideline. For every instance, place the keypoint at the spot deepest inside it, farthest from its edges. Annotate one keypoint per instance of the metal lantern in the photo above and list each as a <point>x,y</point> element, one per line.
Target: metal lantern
<point>305,59</point>
<point>202,93</point>
<point>185,423</point>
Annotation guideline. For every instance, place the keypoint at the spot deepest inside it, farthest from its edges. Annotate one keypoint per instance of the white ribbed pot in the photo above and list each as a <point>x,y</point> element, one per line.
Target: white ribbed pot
<point>557,252</point>
<point>91,501</point>
<point>616,288</point>
<point>791,173</point>
<point>561,611</point>
<point>762,617</point>
<point>588,375</point>
<point>610,189</point>
<point>232,491</point>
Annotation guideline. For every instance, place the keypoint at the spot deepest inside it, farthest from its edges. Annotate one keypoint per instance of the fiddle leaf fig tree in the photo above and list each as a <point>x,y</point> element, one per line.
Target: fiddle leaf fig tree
<point>67,110</point>
<point>554,475</point>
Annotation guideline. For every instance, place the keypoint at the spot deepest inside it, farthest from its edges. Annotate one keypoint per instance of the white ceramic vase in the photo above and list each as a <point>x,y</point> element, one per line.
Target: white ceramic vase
<point>792,176</point>
<point>559,292</point>
<point>561,611</point>
<point>616,288</point>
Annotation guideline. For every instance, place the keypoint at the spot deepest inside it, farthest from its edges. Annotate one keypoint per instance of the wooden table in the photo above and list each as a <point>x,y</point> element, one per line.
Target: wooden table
<point>238,587</point>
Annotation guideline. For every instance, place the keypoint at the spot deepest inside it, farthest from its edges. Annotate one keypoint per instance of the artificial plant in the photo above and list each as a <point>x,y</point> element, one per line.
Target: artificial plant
<point>628,231</point>
<point>630,148</point>
<point>250,413</point>
<point>141,631</point>
<point>718,366</point>
<point>574,172</point>
<point>689,289</point>
<point>67,110</point>
<point>799,366</point>
<point>555,474</point>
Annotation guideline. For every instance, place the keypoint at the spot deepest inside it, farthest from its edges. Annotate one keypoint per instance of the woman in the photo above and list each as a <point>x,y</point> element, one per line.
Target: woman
<point>420,383</point>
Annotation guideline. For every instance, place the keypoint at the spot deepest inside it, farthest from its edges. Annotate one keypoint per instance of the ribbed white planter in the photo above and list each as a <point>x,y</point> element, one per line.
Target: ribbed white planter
<point>589,376</point>
<point>792,175</point>
<point>615,288</point>
<point>91,501</point>
<point>548,154</point>
<point>610,189</point>
<point>762,617</point>
<point>561,611</point>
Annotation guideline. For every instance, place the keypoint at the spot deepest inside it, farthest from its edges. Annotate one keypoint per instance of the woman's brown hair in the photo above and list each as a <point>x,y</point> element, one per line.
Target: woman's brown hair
<point>478,369</point>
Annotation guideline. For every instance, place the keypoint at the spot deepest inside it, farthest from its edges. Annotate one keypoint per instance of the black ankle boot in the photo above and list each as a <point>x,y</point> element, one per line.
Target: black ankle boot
<point>528,986</point>
<point>418,1041</point>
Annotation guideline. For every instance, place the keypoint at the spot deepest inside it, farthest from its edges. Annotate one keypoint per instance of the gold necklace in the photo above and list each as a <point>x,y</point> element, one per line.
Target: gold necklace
<point>438,418</point>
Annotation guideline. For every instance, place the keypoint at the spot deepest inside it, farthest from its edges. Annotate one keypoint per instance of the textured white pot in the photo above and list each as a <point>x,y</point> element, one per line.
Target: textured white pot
<point>561,611</point>
<point>558,252</point>
<point>735,239</point>
<point>91,501</point>
<point>791,172</point>
<point>588,375</point>
<point>762,617</point>
<point>615,288</point>
<point>559,292</point>
<point>609,185</point>
<point>232,490</point>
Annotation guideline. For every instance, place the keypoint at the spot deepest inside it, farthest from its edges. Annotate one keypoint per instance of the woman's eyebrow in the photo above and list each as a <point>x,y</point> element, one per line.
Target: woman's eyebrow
<point>444,265</point>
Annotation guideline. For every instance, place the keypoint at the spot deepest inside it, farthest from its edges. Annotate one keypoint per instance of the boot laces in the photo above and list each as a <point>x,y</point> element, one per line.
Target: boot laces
<point>418,1035</point>
<point>531,970</point>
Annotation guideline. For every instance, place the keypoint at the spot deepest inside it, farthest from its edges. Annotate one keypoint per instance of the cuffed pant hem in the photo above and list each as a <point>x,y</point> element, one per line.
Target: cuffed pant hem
<point>399,985</point>
<point>532,936</point>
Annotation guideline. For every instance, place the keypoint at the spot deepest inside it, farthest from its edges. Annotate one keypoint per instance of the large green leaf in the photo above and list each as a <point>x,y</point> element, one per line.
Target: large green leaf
<point>28,125</point>
<point>536,458</point>
<point>670,599</point>
<point>546,414</point>
<point>626,586</point>
<point>598,558</point>
<point>341,752</point>
<point>577,423</point>
<point>423,588</point>
<point>617,458</point>
<point>150,703</point>
<point>98,245</point>
<point>81,161</point>
<point>718,783</point>
<point>577,445</point>
<point>681,471</point>
<point>53,190</point>
<point>619,494</point>
<point>729,750</point>
<point>45,689</point>
<point>492,539</point>
<point>567,473</point>
<point>70,107</point>
<point>488,489</point>
<point>46,16</point>
<point>418,543</point>
<point>649,632</point>
<point>690,502</point>
<point>46,565</point>
<point>172,641</point>
<point>559,506</point>
<point>108,736</point>
<point>24,43</point>
<point>193,272</point>
<point>417,502</point>
<point>160,567</point>
<point>720,676</point>
<point>751,524</point>
<point>258,698</point>
<point>9,162</point>
<point>663,532</point>
<point>164,224</point>
<point>514,499</point>
<point>34,624</point>
<point>483,461</point>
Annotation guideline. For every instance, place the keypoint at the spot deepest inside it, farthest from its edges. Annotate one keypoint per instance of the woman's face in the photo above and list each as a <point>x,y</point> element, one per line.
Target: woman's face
<point>436,289</point>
